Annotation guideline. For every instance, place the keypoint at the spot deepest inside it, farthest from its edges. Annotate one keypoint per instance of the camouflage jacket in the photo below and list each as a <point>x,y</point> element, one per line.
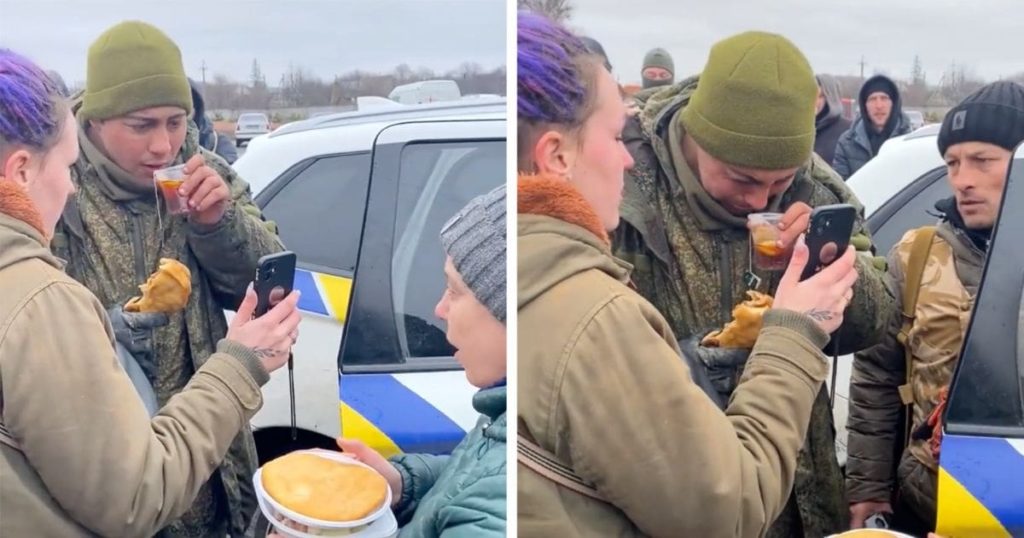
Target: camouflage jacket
<point>694,270</point>
<point>112,240</point>
<point>950,282</point>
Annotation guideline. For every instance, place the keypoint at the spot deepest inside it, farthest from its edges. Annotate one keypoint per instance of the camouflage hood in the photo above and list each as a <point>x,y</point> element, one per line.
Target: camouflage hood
<point>657,110</point>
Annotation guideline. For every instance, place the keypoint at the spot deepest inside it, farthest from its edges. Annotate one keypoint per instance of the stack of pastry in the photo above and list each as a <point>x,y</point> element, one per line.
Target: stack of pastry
<point>747,318</point>
<point>167,290</point>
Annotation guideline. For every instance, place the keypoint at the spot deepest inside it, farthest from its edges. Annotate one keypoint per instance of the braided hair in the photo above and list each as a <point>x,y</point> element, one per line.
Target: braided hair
<point>32,108</point>
<point>556,80</point>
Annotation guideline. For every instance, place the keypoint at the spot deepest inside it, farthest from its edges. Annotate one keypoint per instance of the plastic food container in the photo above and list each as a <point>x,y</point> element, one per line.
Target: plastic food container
<point>379,524</point>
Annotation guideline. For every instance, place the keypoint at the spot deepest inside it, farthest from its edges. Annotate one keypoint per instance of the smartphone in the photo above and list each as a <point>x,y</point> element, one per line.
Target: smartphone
<point>275,277</point>
<point>828,235</point>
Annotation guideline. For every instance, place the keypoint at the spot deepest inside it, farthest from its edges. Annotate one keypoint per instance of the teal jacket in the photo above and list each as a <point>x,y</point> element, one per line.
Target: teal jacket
<point>462,494</point>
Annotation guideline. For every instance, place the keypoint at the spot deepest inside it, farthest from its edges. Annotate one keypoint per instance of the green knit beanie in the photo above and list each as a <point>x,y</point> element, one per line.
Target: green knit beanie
<point>754,103</point>
<point>133,66</point>
<point>659,58</point>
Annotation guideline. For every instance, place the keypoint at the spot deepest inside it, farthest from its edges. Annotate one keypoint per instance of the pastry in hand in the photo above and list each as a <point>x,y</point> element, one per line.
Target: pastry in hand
<point>324,489</point>
<point>742,331</point>
<point>167,290</point>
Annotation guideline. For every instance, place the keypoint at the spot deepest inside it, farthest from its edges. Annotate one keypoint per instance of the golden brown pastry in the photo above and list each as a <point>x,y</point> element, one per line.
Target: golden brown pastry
<point>322,488</point>
<point>742,331</point>
<point>167,290</point>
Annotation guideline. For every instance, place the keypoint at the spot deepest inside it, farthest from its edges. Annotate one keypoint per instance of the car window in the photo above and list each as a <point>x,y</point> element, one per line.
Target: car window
<point>435,181</point>
<point>252,117</point>
<point>987,395</point>
<point>911,208</point>
<point>328,194</point>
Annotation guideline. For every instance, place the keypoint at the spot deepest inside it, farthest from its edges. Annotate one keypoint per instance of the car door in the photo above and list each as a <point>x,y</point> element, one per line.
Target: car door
<point>401,389</point>
<point>981,474</point>
<point>317,194</point>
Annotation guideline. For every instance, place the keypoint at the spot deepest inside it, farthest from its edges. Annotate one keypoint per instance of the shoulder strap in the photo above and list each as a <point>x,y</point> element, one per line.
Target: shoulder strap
<point>544,463</point>
<point>911,289</point>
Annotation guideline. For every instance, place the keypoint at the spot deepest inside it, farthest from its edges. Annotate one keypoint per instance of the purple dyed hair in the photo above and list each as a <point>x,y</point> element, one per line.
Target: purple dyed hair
<point>551,82</point>
<point>32,109</point>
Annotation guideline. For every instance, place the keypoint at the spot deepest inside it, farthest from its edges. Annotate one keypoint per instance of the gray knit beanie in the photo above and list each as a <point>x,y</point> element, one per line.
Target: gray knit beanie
<point>475,240</point>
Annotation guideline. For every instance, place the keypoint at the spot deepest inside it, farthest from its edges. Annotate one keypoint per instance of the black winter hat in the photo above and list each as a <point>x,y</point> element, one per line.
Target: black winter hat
<point>993,114</point>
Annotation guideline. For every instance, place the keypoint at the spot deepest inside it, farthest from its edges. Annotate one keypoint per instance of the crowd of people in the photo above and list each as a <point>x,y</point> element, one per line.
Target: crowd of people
<point>82,226</point>
<point>634,427</point>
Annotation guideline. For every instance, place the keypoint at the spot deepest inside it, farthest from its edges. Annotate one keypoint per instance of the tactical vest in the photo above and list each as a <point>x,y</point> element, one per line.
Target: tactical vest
<point>941,316</point>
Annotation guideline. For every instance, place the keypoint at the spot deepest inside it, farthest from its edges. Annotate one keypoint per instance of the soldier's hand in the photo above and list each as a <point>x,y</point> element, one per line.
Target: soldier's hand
<point>795,221</point>
<point>207,193</point>
<point>863,510</point>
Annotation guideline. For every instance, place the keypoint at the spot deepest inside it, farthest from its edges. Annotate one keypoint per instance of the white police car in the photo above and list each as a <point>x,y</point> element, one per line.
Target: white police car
<point>361,198</point>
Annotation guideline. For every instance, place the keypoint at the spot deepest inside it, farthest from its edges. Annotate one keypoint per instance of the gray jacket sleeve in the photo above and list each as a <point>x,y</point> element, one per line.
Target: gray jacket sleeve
<point>229,251</point>
<point>841,162</point>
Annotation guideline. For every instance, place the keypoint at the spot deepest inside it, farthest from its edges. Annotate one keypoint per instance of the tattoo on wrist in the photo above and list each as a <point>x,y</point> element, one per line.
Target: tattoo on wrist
<point>820,315</point>
<point>266,352</point>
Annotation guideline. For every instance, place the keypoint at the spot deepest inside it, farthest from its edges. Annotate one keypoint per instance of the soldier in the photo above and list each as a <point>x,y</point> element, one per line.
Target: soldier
<point>658,69</point>
<point>710,150</point>
<point>132,120</point>
<point>976,140</point>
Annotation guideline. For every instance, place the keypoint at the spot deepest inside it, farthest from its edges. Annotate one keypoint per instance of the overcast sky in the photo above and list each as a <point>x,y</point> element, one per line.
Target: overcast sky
<point>327,37</point>
<point>987,35</point>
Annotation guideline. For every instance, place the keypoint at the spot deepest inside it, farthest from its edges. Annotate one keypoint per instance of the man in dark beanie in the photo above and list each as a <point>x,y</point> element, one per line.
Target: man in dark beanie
<point>658,69</point>
<point>133,119</point>
<point>464,493</point>
<point>710,150</point>
<point>977,141</point>
<point>881,118</point>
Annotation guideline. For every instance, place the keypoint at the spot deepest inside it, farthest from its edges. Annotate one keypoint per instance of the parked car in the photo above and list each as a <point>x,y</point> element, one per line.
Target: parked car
<point>981,467</point>
<point>426,91</point>
<point>916,119</point>
<point>361,198</point>
<point>249,126</point>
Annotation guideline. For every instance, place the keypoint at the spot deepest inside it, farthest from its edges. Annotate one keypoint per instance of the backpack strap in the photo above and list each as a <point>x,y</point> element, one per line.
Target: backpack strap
<point>915,272</point>
<point>544,463</point>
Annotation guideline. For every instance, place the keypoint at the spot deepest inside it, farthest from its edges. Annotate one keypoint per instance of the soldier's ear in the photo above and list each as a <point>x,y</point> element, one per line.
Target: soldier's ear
<point>554,154</point>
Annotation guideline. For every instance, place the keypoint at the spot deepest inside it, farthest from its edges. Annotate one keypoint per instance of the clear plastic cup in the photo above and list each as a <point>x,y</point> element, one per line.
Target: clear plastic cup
<point>764,241</point>
<point>168,181</point>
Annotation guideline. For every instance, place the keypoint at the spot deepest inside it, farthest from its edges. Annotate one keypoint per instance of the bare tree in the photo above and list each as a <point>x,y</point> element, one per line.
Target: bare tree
<point>556,10</point>
<point>916,92</point>
<point>958,82</point>
<point>403,74</point>
<point>221,92</point>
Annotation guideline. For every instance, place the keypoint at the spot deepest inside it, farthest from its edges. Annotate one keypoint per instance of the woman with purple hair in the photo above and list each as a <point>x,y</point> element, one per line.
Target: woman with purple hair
<point>79,454</point>
<point>615,437</point>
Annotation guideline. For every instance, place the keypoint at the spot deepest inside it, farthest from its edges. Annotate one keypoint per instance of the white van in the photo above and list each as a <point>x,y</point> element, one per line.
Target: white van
<point>427,91</point>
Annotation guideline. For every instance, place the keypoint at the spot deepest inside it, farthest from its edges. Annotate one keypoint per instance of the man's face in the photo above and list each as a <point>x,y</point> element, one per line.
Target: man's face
<point>143,141</point>
<point>739,190</point>
<point>977,173</point>
<point>879,107</point>
<point>820,103</point>
<point>657,74</point>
